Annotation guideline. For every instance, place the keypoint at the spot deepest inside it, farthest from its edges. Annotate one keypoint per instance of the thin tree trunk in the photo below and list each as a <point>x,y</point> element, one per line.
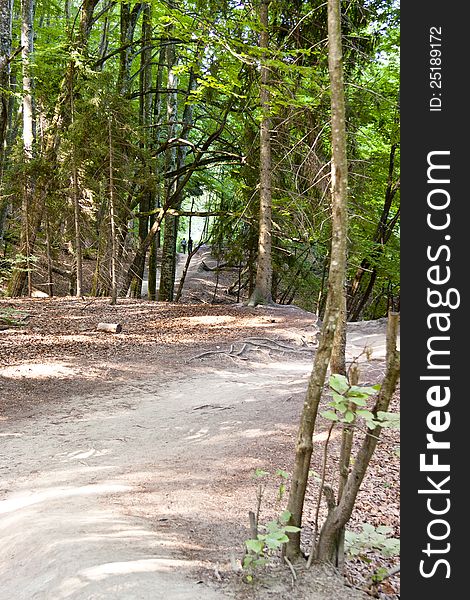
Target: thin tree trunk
<point>152,285</point>
<point>112,217</point>
<point>336,278</point>
<point>262,292</point>
<point>338,352</point>
<point>128,23</point>
<point>144,118</point>
<point>340,514</point>
<point>24,272</point>
<point>50,282</point>
<point>28,128</point>
<point>6,17</point>
<point>77,229</point>
<point>167,271</point>
<point>381,236</point>
<point>76,204</point>
<point>168,268</point>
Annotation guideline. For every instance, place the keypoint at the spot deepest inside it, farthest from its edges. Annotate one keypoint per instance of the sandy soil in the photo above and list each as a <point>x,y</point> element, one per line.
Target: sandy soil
<point>127,461</point>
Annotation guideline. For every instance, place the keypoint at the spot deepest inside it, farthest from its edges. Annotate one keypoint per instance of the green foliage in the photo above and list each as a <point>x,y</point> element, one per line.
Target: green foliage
<point>371,538</point>
<point>350,402</point>
<point>274,535</point>
<point>77,89</point>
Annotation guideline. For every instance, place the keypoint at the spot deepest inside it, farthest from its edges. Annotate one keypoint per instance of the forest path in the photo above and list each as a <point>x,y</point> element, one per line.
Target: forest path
<point>135,483</point>
<point>180,263</point>
<point>102,500</point>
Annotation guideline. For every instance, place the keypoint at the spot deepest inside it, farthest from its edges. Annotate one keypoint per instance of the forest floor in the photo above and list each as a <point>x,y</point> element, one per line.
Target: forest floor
<point>127,460</point>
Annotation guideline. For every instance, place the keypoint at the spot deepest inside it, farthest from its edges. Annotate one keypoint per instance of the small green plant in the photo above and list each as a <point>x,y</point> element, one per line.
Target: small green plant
<point>371,538</point>
<point>350,401</point>
<point>379,575</point>
<point>266,544</point>
<point>282,485</point>
<point>266,539</point>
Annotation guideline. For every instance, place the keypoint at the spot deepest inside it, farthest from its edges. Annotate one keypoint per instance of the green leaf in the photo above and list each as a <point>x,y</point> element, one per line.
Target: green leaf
<point>362,391</point>
<point>349,417</point>
<point>285,516</point>
<point>272,526</point>
<point>358,401</point>
<point>275,539</point>
<point>385,529</point>
<point>339,383</point>
<point>261,473</point>
<point>389,419</point>
<point>291,529</point>
<point>255,546</point>
<point>247,560</point>
<point>339,400</point>
<point>330,415</point>
<point>365,414</point>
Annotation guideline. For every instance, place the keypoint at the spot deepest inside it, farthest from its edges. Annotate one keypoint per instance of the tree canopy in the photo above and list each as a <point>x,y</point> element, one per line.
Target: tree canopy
<point>145,121</point>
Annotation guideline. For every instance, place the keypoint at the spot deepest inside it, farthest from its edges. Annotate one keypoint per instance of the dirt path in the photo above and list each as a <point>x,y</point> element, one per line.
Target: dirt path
<point>126,462</point>
<point>99,498</point>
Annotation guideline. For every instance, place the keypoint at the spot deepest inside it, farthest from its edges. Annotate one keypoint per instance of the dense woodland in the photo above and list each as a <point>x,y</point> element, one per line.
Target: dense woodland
<point>126,127</point>
<point>132,134</point>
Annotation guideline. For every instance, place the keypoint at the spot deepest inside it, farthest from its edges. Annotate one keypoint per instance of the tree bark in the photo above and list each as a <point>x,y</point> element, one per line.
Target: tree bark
<point>27,16</point>
<point>112,219</point>
<point>168,267</point>
<point>6,17</point>
<point>382,234</point>
<point>338,352</point>
<point>128,23</point>
<point>262,292</point>
<point>23,274</point>
<point>155,245</point>
<point>336,278</point>
<point>340,514</point>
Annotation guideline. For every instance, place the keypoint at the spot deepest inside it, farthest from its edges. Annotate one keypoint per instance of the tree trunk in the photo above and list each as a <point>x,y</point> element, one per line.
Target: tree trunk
<point>168,268</point>
<point>340,514</point>
<point>27,17</point>
<point>77,229</point>
<point>50,282</point>
<point>128,23</point>
<point>262,292</point>
<point>336,278</point>
<point>112,219</point>
<point>144,118</point>
<point>6,12</point>
<point>127,26</point>
<point>23,274</point>
<point>381,236</point>
<point>155,245</point>
<point>167,271</point>
<point>338,352</point>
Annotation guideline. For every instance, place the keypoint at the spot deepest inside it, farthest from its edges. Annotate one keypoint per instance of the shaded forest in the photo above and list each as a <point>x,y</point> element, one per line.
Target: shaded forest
<point>128,127</point>
<point>246,153</point>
